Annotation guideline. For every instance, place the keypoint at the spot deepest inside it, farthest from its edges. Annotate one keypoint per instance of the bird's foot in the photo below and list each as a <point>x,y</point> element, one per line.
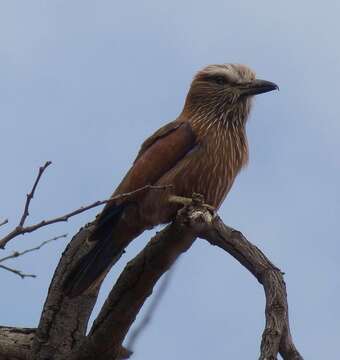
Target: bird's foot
<point>194,201</point>
<point>198,200</point>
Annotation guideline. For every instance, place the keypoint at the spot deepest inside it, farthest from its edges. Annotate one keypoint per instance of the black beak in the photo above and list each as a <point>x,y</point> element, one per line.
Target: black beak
<point>257,86</point>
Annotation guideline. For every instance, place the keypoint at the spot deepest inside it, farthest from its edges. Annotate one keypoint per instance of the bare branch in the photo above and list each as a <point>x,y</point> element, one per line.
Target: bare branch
<point>4,222</point>
<point>15,343</point>
<point>135,333</point>
<point>62,330</point>
<point>64,320</point>
<point>135,284</point>
<point>17,253</point>
<point>17,272</point>
<point>140,275</point>
<point>30,196</point>
<point>276,335</point>
<point>20,230</point>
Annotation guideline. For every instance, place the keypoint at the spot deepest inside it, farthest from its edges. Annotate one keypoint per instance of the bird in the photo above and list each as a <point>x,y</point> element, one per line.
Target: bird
<point>201,151</point>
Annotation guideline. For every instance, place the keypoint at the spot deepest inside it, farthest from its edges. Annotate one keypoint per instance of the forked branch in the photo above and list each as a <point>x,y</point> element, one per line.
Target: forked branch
<point>61,333</point>
<point>20,229</point>
<point>139,277</point>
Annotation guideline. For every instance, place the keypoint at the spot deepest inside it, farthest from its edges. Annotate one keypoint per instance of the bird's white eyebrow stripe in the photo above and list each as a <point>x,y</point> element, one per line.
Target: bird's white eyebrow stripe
<point>235,73</point>
<point>232,76</point>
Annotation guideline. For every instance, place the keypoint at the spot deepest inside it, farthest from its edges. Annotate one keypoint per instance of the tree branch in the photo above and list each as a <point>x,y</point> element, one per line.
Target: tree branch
<point>141,274</point>
<point>15,343</point>
<point>133,287</point>
<point>17,272</point>
<point>63,321</point>
<point>140,328</point>
<point>276,335</point>
<point>62,329</point>
<point>21,230</point>
<point>30,196</point>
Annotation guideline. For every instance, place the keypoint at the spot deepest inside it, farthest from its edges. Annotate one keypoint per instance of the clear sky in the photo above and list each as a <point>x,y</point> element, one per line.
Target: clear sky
<point>82,83</point>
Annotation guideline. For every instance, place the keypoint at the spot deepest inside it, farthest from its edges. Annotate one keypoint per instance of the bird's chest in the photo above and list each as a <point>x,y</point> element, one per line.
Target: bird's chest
<point>214,171</point>
<point>209,169</point>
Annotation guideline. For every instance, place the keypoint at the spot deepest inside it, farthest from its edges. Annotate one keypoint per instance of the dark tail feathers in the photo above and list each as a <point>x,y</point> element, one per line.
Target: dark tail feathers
<point>99,259</point>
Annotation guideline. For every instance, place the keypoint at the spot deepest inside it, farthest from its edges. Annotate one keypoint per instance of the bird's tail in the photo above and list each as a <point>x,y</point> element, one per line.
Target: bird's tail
<point>110,237</point>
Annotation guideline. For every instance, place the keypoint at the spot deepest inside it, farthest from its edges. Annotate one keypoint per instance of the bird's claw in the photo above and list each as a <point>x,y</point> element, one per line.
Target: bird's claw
<point>197,200</point>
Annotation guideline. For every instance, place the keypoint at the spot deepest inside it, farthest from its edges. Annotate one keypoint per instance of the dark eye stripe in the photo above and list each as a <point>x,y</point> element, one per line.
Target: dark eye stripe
<point>218,79</point>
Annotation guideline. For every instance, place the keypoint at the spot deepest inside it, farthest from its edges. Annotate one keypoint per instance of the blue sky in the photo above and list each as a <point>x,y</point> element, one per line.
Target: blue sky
<point>82,83</point>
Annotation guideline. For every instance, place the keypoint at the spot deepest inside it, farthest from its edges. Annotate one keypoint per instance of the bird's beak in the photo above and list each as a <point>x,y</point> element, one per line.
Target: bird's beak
<point>256,87</point>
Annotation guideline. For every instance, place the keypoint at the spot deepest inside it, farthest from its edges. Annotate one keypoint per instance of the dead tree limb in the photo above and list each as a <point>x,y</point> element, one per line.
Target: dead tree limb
<point>147,318</point>
<point>61,333</point>
<point>63,321</point>
<point>276,335</point>
<point>133,287</point>
<point>15,343</point>
<point>141,274</point>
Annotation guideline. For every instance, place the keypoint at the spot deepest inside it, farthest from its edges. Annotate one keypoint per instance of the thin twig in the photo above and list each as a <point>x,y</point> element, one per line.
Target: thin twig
<point>4,222</point>
<point>30,196</point>
<point>20,230</point>
<point>17,272</point>
<point>17,253</point>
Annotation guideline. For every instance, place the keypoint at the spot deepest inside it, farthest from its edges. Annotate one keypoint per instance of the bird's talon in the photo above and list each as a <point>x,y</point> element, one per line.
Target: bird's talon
<point>197,199</point>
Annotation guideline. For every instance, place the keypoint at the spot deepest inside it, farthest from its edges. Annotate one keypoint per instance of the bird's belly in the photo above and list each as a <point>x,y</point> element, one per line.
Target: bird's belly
<point>213,182</point>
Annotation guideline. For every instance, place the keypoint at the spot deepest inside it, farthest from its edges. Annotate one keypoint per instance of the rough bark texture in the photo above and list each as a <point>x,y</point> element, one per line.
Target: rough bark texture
<point>63,321</point>
<point>15,343</point>
<point>61,333</point>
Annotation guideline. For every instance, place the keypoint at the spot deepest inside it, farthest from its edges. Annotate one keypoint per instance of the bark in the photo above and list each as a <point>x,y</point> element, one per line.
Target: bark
<point>15,343</point>
<point>64,321</point>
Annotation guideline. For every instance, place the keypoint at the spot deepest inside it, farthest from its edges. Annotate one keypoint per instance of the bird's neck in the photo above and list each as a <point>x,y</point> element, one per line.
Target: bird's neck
<point>204,115</point>
<point>225,132</point>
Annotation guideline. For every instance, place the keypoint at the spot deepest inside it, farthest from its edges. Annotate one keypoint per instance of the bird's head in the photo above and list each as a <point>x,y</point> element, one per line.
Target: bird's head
<point>219,90</point>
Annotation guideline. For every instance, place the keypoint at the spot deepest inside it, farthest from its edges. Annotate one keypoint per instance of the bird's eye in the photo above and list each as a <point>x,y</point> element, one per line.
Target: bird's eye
<point>220,80</point>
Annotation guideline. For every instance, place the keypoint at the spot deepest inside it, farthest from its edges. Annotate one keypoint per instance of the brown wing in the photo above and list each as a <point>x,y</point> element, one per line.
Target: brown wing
<point>112,231</point>
<point>160,133</point>
<point>159,154</point>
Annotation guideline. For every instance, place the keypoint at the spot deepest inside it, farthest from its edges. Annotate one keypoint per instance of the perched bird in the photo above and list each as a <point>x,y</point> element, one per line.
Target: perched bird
<point>201,152</point>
